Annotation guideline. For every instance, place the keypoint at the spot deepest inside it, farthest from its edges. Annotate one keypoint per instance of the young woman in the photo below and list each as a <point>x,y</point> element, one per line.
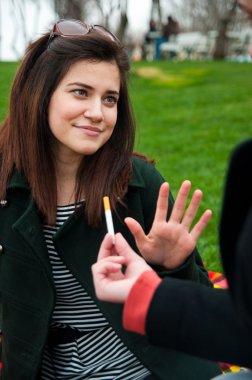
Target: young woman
<point>67,142</point>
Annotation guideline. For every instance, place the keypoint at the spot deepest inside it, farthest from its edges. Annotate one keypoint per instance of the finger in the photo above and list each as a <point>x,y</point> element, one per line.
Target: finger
<point>192,209</point>
<point>201,225</point>
<point>106,248</point>
<point>111,259</point>
<point>162,203</point>
<point>124,249</point>
<point>180,202</point>
<point>109,264</point>
<point>136,230</point>
<point>101,276</point>
<point>106,269</point>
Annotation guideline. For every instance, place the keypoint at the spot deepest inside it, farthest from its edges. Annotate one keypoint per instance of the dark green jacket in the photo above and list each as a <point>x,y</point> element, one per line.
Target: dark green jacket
<point>27,289</point>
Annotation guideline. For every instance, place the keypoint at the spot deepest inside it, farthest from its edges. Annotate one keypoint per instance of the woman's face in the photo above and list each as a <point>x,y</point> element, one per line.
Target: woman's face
<point>83,108</point>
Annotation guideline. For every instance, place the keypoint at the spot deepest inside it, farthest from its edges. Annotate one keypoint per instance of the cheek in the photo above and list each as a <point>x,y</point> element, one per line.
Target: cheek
<point>111,118</point>
<point>60,110</point>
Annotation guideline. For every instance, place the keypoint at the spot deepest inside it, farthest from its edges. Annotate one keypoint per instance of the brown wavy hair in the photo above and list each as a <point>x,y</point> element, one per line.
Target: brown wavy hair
<point>26,139</point>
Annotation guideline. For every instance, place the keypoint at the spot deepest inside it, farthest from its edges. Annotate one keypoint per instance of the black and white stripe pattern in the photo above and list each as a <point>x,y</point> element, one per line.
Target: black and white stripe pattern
<point>99,354</point>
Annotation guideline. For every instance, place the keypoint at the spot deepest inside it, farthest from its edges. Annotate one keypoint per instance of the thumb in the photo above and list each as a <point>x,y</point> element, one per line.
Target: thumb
<point>123,248</point>
<point>106,248</point>
<point>136,230</point>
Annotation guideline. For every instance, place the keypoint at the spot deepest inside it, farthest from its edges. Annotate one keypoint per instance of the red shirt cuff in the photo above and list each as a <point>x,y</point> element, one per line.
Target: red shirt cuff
<point>138,301</point>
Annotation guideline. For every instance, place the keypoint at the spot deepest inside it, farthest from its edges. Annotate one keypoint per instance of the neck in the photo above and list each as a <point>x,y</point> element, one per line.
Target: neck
<point>66,171</point>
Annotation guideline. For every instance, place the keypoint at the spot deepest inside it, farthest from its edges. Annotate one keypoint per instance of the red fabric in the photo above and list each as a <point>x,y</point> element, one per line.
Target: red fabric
<point>137,303</point>
<point>218,279</point>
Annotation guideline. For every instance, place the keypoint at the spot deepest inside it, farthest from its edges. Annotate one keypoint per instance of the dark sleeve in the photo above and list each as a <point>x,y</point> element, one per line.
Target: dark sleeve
<point>243,265</point>
<point>235,230</point>
<point>237,202</point>
<point>199,321</point>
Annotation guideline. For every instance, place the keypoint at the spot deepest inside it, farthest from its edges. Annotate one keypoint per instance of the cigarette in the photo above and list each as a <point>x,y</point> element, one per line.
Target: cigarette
<point>108,216</point>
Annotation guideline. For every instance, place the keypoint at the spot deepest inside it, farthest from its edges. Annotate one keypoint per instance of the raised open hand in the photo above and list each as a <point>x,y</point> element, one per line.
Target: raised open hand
<point>170,243</point>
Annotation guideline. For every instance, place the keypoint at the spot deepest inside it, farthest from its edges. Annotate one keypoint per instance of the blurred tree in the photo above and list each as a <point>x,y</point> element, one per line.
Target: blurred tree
<point>224,20</point>
<point>19,11</point>
<point>108,10</point>
<point>69,8</point>
<point>122,26</point>
<point>110,13</point>
<point>112,10</point>
<point>210,15</point>
<point>156,13</point>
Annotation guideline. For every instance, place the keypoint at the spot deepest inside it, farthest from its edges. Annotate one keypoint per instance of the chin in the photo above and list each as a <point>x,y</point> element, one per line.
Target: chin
<point>88,152</point>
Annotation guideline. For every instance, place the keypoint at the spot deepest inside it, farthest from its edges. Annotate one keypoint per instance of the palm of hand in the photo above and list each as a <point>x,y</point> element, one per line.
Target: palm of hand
<point>169,243</point>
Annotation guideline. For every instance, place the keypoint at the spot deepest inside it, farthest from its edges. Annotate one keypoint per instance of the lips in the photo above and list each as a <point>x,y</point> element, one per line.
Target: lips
<point>88,130</point>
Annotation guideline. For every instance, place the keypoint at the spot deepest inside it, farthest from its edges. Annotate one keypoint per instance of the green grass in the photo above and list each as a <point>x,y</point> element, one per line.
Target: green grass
<point>189,115</point>
<point>7,72</point>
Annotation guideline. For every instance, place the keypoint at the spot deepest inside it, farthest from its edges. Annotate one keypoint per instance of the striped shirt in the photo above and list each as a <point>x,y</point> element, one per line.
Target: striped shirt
<point>99,353</point>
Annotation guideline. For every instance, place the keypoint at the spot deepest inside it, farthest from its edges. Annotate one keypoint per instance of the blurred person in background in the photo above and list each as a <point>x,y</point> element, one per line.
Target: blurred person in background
<point>171,28</point>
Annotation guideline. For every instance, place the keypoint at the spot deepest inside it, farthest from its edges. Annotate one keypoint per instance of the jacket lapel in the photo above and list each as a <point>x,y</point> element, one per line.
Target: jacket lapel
<point>29,227</point>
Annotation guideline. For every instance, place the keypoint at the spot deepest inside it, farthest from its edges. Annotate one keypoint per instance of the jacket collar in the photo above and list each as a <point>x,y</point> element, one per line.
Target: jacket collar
<point>17,180</point>
<point>137,179</point>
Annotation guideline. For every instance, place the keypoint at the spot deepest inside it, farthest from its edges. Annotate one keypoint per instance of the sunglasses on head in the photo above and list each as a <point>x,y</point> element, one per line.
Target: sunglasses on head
<point>75,28</point>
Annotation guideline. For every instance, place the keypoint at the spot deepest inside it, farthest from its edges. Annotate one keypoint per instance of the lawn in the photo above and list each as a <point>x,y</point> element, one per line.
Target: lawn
<point>189,117</point>
<point>7,72</point>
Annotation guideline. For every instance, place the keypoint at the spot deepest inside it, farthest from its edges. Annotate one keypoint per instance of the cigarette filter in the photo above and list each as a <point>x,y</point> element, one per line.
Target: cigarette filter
<point>108,216</point>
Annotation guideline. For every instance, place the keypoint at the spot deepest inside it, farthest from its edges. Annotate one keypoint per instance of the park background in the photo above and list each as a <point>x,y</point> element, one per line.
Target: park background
<point>191,109</point>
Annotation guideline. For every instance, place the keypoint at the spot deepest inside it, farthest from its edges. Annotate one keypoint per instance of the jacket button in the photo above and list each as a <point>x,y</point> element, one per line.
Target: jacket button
<point>1,249</point>
<point>3,202</point>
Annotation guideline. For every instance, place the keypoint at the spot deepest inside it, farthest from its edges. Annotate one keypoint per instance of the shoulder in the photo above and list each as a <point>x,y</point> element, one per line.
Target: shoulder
<point>240,162</point>
<point>17,181</point>
<point>18,192</point>
<point>144,170</point>
<point>242,152</point>
<point>142,163</point>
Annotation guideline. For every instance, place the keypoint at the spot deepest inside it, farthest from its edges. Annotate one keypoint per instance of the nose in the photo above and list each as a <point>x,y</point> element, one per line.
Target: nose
<point>93,111</point>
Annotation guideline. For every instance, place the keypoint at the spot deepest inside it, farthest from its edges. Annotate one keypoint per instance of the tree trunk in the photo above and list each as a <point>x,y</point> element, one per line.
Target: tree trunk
<point>221,44</point>
<point>156,13</point>
<point>69,9</point>
<point>120,33</point>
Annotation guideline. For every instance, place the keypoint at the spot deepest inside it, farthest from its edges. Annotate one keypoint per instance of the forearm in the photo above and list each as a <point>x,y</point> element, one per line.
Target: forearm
<point>138,301</point>
<point>188,317</point>
<point>199,321</point>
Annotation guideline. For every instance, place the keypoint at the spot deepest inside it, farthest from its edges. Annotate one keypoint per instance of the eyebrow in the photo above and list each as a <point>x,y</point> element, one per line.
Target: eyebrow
<point>86,86</point>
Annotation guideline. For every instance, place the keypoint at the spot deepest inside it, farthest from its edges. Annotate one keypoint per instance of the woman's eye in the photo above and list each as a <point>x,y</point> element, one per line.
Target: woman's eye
<point>111,100</point>
<point>80,92</point>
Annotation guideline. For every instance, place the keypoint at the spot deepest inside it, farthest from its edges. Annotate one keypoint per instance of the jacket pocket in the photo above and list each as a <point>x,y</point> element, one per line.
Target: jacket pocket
<point>20,360</point>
